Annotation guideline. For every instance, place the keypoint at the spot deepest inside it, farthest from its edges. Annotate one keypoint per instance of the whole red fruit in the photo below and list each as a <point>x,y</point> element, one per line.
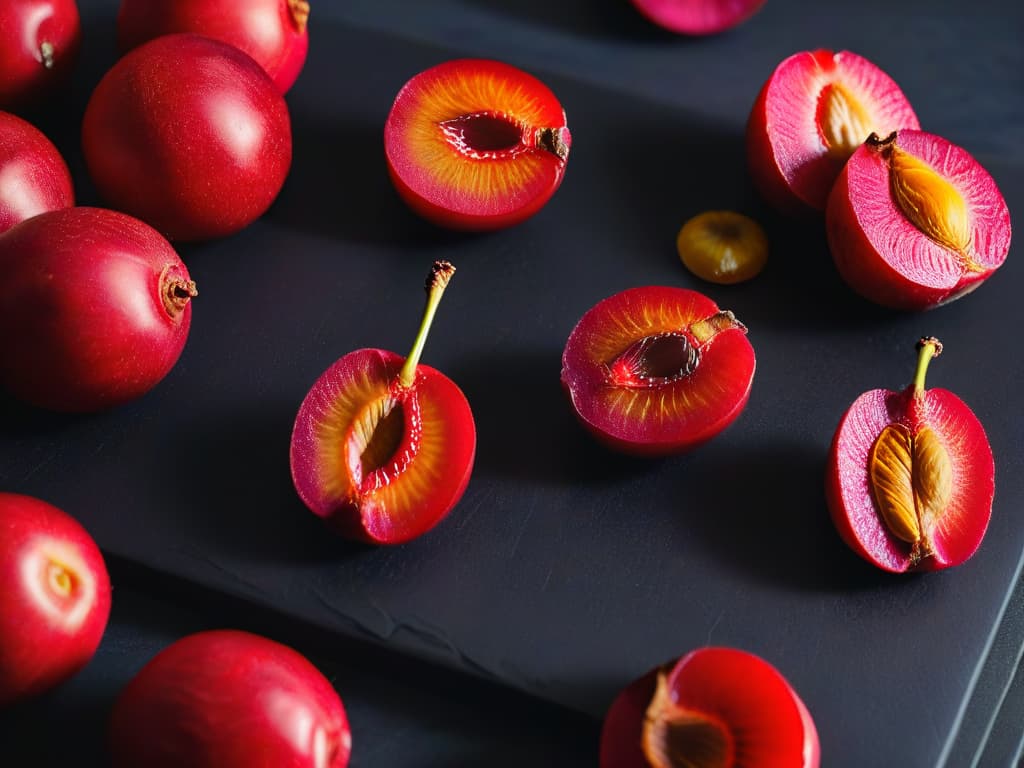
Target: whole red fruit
<point>33,176</point>
<point>273,32</point>
<point>39,42</point>
<point>55,600</point>
<point>190,135</point>
<point>229,699</point>
<point>95,309</point>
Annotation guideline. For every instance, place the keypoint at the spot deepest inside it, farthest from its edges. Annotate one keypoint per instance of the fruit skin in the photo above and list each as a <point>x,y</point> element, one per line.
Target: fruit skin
<point>863,249</point>
<point>33,176</point>
<point>229,699</point>
<point>32,32</point>
<point>698,17</point>
<point>273,32</point>
<point>95,309</point>
<point>46,636</point>
<point>190,135</point>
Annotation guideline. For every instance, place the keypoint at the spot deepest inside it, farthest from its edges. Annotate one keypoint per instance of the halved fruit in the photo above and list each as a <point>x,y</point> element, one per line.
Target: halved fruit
<point>476,144</point>
<point>698,17</point>
<point>383,447</point>
<point>657,370</point>
<point>814,111</point>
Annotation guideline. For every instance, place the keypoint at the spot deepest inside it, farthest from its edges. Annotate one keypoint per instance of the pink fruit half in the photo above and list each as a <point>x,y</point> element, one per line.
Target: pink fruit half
<point>698,17</point>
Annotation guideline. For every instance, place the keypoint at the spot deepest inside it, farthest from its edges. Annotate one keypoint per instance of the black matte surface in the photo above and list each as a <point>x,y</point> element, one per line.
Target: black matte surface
<point>566,570</point>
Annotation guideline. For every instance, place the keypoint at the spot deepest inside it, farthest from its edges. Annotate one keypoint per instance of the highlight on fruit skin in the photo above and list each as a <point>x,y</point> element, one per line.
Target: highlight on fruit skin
<point>911,477</point>
<point>33,176</point>
<point>383,446</point>
<point>713,708</point>
<point>914,221</point>
<point>698,17</point>
<point>476,144</point>
<point>723,247</point>
<point>657,370</point>
<point>813,112</point>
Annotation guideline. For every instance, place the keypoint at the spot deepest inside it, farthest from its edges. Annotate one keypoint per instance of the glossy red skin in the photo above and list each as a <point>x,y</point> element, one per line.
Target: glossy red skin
<point>190,135</point>
<point>45,637</point>
<point>33,176</point>
<point>804,190</point>
<point>229,699</point>
<point>698,17</point>
<point>847,488</point>
<point>83,324</point>
<point>24,26</point>
<point>739,690</point>
<point>365,517</point>
<point>728,357</point>
<point>865,228</point>
<point>265,29</point>
<point>447,208</point>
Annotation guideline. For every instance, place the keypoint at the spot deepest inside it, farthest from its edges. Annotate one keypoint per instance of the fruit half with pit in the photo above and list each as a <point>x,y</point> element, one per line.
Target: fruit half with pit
<point>383,446</point>
<point>814,111</point>
<point>39,41</point>
<point>95,310</point>
<point>33,176</point>
<point>657,370</point>
<point>713,708</point>
<point>914,221</point>
<point>229,699</point>
<point>476,144</point>
<point>698,17</point>
<point>723,247</point>
<point>910,476</point>
<point>55,600</point>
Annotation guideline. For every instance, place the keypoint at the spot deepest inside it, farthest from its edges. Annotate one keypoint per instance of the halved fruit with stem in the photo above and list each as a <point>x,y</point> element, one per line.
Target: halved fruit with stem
<point>811,115</point>
<point>476,144</point>
<point>713,708</point>
<point>910,477</point>
<point>698,17</point>
<point>914,221</point>
<point>656,370</point>
<point>383,446</point>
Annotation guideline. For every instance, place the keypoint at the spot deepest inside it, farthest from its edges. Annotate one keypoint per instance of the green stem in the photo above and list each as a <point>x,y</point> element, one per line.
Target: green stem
<point>440,273</point>
<point>928,347</point>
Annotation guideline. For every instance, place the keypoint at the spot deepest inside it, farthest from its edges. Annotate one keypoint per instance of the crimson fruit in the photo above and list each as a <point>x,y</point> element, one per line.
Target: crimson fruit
<point>39,42</point>
<point>383,447</point>
<point>33,176</point>
<point>698,17</point>
<point>55,600</point>
<point>653,371</point>
<point>713,708</point>
<point>273,32</point>
<point>914,221</point>
<point>812,113</point>
<point>476,144</point>
<point>229,699</point>
<point>190,135</point>
<point>910,477</point>
<point>95,309</point>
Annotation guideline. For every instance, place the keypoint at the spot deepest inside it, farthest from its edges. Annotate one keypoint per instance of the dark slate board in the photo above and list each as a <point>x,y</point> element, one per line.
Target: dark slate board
<point>566,570</point>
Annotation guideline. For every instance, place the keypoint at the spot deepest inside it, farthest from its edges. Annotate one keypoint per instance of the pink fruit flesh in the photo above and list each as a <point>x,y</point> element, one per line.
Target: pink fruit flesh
<point>476,144</point>
<point>273,32</point>
<point>886,258</point>
<point>33,176</point>
<point>625,370</point>
<point>39,42</point>
<point>698,17</point>
<point>55,601</point>
<point>229,699</point>
<point>95,309</point>
<point>792,161</point>
<point>848,487</point>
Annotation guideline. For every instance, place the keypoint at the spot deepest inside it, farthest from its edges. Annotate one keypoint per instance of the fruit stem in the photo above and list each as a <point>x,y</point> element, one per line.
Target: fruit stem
<point>178,294</point>
<point>300,13</point>
<point>927,348</point>
<point>553,140</point>
<point>440,273</point>
<point>46,54</point>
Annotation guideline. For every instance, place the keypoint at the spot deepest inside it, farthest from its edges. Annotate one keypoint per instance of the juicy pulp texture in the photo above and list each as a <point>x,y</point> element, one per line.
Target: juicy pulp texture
<point>810,116</point>
<point>33,176</point>
<point>657,370</point>
<point>698,17</point>
<point>887,258</point>
<point>39,42</point>
<point>381,462</point>
<point>476,144</point>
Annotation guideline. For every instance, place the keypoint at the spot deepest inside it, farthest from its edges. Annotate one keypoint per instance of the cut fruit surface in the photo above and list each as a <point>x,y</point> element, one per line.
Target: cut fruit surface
<point>810,116</point>
<point>476,144</point>
<point>698,17</point>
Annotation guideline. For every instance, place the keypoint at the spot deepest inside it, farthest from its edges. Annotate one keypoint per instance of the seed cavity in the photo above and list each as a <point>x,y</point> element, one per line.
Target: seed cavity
<point>373,445</point>
<point>484,134</point>
<point>674,737</point>
<point>842,120</point>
